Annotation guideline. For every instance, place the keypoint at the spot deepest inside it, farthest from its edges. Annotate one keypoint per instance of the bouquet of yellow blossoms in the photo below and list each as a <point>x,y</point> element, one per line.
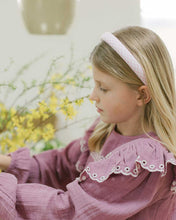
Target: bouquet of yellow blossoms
<point>33,121</point>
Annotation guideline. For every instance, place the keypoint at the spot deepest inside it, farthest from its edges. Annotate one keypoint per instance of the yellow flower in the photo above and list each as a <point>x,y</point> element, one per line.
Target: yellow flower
<point>59,87</point>
<point>21,119</point>
<point>43,110</point>
<point>30,124</point>
<point>36,135</point>
<point>53,102</point>
<point>55,80</point>
<point>64,102</point>
<point>35,114</point>
<point>12,111</point>
<point>29,120</point>
<point>42,105</point>
<point>66,107</point>
<point>91,101</point>
<point>12,148</point>
<point>15,121</point>
<point>79,101</point>
<point>48,132</point>
<point>10,143</point>
<point>21,132</point>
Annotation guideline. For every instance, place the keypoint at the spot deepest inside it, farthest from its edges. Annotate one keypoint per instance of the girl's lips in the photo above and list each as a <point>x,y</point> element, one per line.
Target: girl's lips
<point>99,109</point>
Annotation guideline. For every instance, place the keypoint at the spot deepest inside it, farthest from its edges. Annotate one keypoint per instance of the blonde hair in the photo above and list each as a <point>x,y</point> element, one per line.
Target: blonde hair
<point>150,51</point>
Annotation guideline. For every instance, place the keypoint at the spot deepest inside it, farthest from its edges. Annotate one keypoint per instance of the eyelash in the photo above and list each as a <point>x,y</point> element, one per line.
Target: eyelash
<point>98,86</point>
<point>103,90</point>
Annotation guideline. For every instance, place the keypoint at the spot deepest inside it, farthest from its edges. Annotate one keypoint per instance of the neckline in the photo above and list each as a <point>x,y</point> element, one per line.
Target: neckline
<point>115,133</point>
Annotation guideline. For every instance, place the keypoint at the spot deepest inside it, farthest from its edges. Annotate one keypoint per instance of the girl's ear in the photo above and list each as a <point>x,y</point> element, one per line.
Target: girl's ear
<point>143,95</point>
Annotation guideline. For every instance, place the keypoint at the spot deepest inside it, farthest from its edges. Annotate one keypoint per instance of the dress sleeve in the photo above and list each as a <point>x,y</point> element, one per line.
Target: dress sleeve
<point>88,200</point>
<point>116,187</point>
<point>55,168</point>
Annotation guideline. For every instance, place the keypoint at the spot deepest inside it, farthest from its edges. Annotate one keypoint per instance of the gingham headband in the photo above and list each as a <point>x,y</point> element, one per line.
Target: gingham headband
<point>126,55</point>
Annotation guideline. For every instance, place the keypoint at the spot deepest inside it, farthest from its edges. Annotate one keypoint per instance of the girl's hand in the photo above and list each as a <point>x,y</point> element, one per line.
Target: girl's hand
<point>4,162</point>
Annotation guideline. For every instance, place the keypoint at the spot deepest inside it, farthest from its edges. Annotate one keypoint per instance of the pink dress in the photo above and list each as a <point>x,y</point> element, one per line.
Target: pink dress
<point>133,177</point>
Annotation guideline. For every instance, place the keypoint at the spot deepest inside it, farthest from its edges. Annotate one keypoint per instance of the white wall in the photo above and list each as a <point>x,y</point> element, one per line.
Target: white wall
<point>91,19</point>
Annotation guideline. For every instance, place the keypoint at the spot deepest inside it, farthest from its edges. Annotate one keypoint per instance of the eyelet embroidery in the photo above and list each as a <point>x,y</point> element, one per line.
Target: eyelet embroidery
<point>87,168</point>
<point>139,163</point>
<point>135,171</point>
<point>117,168</point>
<point>161,166</point>
<point>152,166</point>
<point>144,162</point>
<point>102,178</point>
<point>94,175</point>
<point>127,169</point>
<point>83,178</point>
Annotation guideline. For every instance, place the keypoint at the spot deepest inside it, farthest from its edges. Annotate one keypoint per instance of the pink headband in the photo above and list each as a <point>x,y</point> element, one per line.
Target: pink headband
<point>126,55</point>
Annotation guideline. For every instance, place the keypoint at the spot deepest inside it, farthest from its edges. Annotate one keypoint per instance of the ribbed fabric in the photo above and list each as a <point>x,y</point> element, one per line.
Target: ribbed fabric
<point>131,179</point>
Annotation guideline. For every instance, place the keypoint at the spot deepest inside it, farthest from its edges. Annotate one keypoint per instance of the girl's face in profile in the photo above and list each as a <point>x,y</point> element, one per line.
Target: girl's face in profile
<point>115,101</point>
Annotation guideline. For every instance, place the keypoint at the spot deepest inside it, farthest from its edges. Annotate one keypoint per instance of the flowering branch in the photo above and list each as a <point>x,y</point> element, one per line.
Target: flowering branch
<point>21,125</point>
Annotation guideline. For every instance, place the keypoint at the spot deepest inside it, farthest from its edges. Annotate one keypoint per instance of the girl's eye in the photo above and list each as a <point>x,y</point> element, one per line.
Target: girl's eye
<point>103,90</point>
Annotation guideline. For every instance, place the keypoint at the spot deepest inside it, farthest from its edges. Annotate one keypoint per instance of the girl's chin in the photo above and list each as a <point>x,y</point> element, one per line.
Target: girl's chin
<point>106,120</point>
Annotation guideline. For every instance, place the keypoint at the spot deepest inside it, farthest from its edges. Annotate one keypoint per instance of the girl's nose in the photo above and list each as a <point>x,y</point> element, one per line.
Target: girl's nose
<point>93,96</point>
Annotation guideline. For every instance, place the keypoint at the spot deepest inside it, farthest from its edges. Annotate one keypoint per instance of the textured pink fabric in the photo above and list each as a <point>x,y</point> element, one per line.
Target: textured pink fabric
<point>126,55</point>
<point>69,184</point>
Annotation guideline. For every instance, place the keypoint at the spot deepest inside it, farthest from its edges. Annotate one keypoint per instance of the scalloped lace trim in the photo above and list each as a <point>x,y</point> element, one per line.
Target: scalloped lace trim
<point>83,148</point>
<point>127,171</point>
<point>95,155</point>
<point>139,163</point>
<point>152,168</point>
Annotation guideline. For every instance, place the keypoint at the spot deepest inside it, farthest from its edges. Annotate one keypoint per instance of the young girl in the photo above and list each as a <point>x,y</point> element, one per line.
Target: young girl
<point>123,168</point>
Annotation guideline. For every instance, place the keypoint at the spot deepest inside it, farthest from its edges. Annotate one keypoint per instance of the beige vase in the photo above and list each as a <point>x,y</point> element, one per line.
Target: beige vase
<point>47,16</point>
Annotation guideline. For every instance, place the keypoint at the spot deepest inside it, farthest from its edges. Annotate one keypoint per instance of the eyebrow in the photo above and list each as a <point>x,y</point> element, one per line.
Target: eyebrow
<point>101,82</point>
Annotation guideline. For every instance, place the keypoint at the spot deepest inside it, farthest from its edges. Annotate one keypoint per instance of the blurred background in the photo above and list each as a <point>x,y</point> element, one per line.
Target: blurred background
<point>30,28</point>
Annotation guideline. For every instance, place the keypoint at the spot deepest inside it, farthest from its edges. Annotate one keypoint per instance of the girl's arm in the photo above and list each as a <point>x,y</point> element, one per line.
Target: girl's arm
<point>4,162</point>
<point>54,168</point>
<point>119,197</point>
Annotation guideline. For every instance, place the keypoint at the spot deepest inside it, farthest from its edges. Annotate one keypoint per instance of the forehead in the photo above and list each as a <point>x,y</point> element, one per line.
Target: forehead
<point>103,77</point>
<point>109,81</point>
